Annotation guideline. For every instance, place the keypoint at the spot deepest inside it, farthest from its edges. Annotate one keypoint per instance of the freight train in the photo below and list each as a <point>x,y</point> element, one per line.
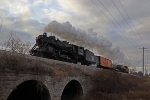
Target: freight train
<point>52,48</point>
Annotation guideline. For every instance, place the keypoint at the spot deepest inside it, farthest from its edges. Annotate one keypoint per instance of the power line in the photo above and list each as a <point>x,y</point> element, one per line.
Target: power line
<point>124,9</point>
<point>113,19</point>
<point>134,29</point>
<point>124,18</point>
<point>128,17</point>
<point>96,6</point>
<point>121,14</point>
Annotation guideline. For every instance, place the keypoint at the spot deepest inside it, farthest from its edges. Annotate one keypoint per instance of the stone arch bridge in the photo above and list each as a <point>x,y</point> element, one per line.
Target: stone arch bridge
<point>21,75</point>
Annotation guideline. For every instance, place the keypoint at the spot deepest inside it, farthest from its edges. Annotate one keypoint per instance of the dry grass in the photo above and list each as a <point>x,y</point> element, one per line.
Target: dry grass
<point>18,63</point>
<point>109,85</point>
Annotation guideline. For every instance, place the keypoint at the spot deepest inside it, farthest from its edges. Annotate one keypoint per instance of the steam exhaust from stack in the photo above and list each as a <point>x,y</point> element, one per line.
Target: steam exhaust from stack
<point>90,40</point>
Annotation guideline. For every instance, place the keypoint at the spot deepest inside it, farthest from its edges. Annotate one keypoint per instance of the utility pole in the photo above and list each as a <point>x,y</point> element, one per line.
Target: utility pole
<point>143,60</point>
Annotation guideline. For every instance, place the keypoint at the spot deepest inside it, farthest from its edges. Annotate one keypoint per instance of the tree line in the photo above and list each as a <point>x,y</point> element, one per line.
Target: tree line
<point>15,44</point>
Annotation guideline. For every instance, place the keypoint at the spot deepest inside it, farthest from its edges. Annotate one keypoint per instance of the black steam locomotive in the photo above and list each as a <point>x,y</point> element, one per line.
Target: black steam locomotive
<point>52,48</point>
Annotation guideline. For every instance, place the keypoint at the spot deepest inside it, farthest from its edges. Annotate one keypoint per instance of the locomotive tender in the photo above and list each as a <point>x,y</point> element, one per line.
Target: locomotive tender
<point>52,48</point>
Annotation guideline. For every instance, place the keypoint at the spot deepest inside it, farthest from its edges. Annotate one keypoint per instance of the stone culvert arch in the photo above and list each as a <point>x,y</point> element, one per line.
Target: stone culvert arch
<point>30,90</point>
<point>72,91</point>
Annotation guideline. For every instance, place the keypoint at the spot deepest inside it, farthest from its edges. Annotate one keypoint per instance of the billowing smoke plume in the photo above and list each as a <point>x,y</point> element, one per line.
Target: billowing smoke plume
<point>90,40</point>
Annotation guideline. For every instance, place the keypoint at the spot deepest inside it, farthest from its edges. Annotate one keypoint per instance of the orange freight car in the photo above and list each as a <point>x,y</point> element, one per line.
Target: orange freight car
<point>105,63</point>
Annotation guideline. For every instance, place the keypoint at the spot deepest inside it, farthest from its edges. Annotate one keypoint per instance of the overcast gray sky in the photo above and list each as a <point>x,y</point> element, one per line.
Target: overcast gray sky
<point>124,23</point>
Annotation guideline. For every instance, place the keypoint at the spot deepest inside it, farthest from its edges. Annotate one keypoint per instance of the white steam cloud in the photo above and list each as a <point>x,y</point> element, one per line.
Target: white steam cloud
<point>90,40</point>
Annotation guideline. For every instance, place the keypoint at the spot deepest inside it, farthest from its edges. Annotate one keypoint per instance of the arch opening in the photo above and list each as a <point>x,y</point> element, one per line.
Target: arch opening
<point>72,91</point>
<point>30,90</point>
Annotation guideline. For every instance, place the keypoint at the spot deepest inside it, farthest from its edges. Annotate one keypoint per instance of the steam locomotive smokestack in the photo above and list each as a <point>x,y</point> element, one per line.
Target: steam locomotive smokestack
<point>90,40</point>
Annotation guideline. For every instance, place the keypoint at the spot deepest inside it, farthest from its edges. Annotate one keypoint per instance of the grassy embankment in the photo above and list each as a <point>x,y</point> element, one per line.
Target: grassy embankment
<point>109,85</point>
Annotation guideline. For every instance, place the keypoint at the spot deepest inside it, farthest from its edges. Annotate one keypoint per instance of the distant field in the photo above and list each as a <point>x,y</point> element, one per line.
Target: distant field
<point>116,86</point>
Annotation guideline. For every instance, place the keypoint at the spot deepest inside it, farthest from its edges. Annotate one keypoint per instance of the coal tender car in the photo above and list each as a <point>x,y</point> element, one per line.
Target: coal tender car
<point>52,48</point>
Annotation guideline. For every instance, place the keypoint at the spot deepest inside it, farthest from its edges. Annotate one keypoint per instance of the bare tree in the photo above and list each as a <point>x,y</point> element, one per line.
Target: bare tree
<point>14,44</point>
